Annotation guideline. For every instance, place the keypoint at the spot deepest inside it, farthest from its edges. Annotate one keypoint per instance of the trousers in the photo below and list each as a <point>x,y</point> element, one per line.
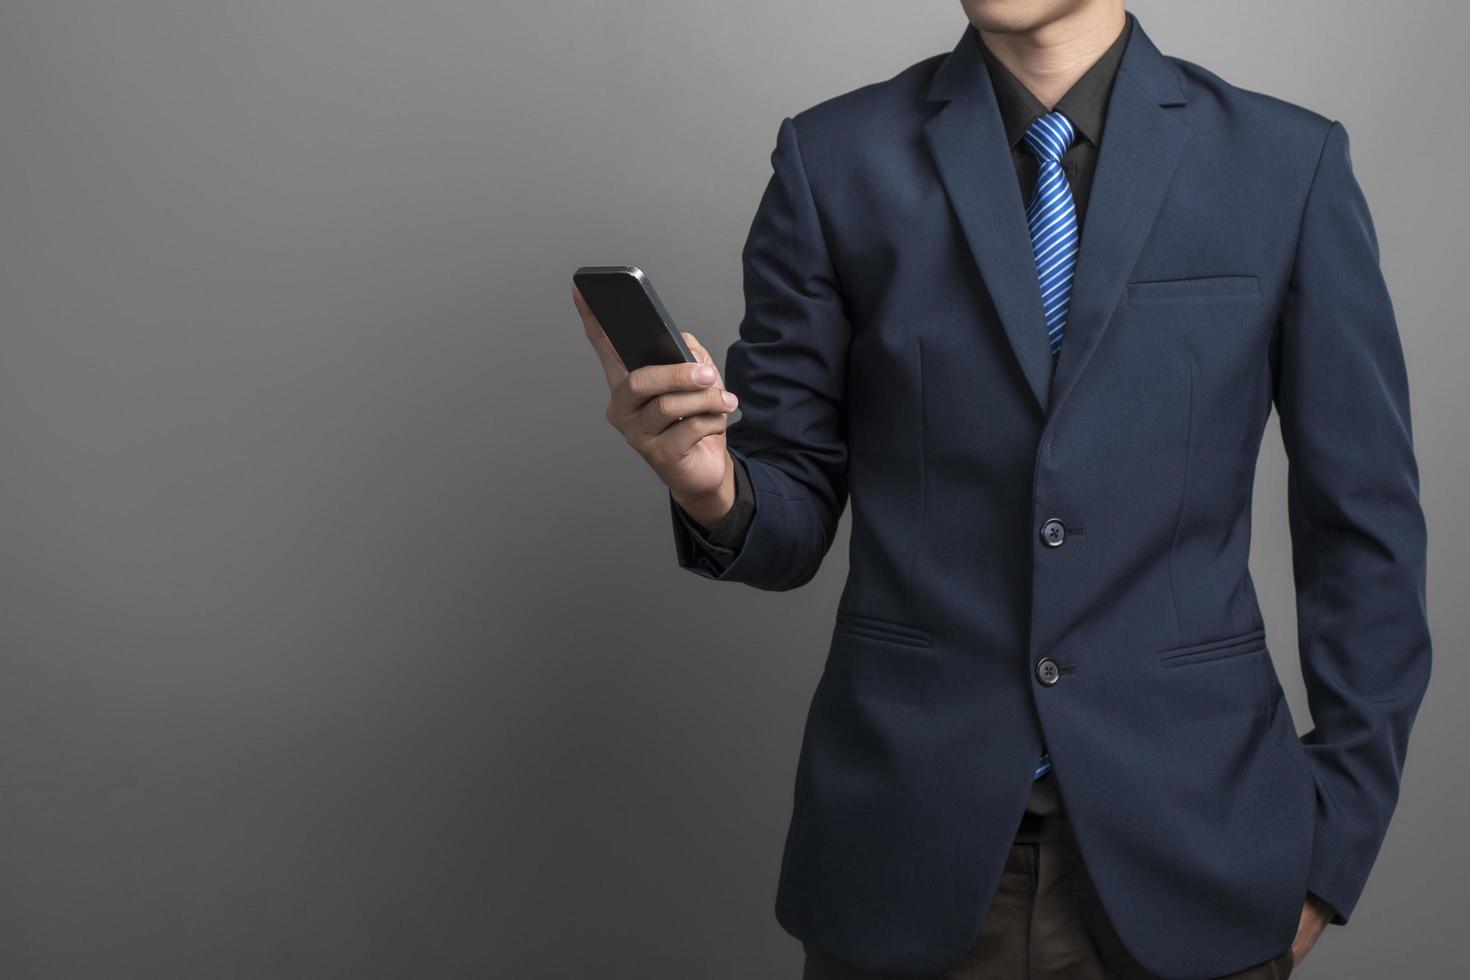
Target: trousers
<point>1046,921</point>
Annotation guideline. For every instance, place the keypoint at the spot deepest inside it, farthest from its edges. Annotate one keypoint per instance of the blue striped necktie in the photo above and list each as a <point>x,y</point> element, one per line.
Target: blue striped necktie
<point>1051,217</point>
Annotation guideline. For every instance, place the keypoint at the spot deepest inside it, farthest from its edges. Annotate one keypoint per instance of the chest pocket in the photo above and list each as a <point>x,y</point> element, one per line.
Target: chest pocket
<point>1195,287</point>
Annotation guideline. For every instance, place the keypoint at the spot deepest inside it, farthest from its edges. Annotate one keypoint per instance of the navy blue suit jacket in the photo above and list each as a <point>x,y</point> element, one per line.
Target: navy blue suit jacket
<point>893,354</point>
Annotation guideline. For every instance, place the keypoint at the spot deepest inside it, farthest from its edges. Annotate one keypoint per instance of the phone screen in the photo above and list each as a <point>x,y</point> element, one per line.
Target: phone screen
<point>631,314</point>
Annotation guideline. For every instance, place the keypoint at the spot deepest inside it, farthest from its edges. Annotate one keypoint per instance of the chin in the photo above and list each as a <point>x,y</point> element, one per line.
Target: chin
<point>1016,16</point>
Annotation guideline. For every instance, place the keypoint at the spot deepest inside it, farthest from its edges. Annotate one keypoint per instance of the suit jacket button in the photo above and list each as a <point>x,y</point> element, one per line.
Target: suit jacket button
<point>1047,671</point>
<point>1053,532</point>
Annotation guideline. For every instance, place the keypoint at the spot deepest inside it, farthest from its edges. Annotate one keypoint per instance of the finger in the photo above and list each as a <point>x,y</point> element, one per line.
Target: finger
<point>652,380</point>
<point>679,439</point>
<point>662,411</point>
<point>698,349</point>
<point>607,355</point>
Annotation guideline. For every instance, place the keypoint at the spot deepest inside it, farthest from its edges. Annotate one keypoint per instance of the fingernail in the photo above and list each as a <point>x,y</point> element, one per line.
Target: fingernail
<point>704,374</point>
<point>730,400</point>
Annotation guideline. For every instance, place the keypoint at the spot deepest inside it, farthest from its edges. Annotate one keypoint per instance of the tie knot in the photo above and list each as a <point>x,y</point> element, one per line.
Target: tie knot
<point>1049,136</point>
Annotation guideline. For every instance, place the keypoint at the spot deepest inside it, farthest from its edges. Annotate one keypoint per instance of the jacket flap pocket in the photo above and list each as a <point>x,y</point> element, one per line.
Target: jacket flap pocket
<point>882,629</point>
<point>1251,641</point>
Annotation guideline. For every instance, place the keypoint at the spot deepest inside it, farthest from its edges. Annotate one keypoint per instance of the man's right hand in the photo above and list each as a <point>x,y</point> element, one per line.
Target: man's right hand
<point>674,416</point>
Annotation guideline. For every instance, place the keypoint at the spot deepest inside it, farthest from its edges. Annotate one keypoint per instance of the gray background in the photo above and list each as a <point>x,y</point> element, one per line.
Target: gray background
<point>340,635</point>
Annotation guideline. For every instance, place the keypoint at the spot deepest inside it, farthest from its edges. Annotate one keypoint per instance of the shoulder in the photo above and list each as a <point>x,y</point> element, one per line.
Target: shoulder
<point>874,109</point>
<point>870,106</point>
<point>1258,123</point>
<point>851,132</point>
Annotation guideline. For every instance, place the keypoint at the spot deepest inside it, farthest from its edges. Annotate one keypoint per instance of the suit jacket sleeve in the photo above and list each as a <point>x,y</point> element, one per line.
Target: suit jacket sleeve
<point>719,544</point>
<point>788,367</point>
<point>1357,530</point>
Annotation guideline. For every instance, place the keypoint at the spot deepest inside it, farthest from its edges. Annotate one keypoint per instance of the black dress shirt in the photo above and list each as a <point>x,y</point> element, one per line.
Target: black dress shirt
<point>1086,105</point>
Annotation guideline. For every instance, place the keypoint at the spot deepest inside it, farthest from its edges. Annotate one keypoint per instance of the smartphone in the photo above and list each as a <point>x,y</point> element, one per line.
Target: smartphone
<point>633,317</point>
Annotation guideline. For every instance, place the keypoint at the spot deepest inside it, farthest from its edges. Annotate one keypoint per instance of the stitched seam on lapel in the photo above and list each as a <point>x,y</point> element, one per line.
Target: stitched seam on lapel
<point>1070,370</point>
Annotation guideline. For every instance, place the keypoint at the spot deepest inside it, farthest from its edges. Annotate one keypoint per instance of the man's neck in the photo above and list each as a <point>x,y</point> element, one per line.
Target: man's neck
<point>1050,58</point>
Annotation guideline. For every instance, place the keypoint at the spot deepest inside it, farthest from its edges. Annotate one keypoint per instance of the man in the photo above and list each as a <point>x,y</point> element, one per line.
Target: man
<point>1048,647</point>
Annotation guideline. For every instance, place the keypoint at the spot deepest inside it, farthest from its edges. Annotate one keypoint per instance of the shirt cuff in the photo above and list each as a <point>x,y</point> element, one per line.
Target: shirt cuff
<point>722,539</point>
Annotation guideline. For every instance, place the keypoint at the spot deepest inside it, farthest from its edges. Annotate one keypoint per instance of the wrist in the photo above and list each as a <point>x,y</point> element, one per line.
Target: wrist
<point>707,509</point>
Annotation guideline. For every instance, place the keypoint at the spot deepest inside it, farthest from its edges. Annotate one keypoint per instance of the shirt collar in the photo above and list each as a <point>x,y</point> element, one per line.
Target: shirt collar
<point>1085,104</point>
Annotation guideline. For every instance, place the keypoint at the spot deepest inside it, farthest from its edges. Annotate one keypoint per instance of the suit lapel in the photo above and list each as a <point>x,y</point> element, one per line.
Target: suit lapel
<point>1143,142</point>
<point>967,139</point>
